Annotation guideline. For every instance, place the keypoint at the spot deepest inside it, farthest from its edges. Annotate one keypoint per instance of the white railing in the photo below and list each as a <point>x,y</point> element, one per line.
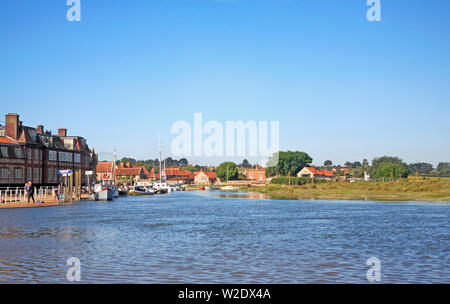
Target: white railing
<point>19,194</point>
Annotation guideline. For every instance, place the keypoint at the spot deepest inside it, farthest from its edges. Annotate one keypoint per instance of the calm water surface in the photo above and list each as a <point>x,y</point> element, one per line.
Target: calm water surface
<point>200,237</point>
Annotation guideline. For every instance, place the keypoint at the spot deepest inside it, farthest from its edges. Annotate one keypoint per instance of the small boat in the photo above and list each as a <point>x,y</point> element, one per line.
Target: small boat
<point>123,192</point>
<point>162,187</point>
<point>140,190</point>
<point>209,188</point>
<point>229,188</point>
<point>102,193</point>
<point>111,186</point>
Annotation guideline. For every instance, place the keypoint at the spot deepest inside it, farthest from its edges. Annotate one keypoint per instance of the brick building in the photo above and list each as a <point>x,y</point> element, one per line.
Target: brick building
<point>316,173</point>
<point>258,174</point>
<point>205,178</point>
<point>174,176</point>
<point>34,155</point>
<point>124,171</point>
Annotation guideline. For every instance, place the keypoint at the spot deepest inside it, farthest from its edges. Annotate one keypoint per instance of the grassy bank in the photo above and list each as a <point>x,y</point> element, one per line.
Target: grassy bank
<point>424,190</point>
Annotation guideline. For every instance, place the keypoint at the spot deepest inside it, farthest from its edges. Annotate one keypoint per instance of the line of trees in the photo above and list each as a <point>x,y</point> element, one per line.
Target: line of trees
<point>291,162</point>
<point>388,166</point>
<point>288,162</point>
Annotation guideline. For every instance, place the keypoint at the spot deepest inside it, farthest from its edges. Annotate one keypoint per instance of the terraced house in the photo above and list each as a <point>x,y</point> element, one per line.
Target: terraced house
<point>30,154</point>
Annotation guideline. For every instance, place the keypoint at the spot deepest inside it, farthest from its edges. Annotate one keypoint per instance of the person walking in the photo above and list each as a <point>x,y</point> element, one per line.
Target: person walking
<point>30,191</point>
<point>56,193</point>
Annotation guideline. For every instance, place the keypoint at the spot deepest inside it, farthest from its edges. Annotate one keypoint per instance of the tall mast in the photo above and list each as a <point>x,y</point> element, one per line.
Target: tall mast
<point>159,145</point>
<point>114,167</point>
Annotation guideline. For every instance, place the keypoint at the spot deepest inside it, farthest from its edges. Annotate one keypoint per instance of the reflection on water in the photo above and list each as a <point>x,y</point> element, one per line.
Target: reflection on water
<point>249,195</point>
<point>215,237</point>
<point>296,197</point>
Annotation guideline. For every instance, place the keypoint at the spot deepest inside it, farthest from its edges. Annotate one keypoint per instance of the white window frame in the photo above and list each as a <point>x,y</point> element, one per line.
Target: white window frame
<point>35,174</point>
<point>52,155</point>
<point>18,173</point>
<point>4,152</point>
<point>29,174</point>
<point>19,152</point>
<point>2,173</point>
<point>76,158</point>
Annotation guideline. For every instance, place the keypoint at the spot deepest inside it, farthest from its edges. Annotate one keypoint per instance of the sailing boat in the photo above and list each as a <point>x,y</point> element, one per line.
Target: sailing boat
<point>106,190</point>
<point>114,185</point>
<point>161,186</point>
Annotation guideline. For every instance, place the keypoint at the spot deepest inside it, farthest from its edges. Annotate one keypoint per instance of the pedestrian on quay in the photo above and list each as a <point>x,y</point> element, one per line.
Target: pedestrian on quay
<point>29,188</point>
<point>56,193</point>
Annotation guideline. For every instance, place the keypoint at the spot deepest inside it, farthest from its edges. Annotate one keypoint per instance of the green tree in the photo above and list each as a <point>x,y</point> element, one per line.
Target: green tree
<point>130,160</point>
<point>443,168</point>
<point>356,164</point>
<point>183,162</point>
<point>245,164</point>
<point>288,162</point>
<point>227,171</point>
<point>365,163</point>
<point>388,166</point>
<point>328,163</point>
<point>422,168</point>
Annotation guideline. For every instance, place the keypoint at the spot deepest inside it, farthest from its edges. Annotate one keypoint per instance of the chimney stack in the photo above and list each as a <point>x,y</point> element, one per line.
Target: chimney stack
<point>12,125</point>
<point>40,129</point>
<point>62,132</point>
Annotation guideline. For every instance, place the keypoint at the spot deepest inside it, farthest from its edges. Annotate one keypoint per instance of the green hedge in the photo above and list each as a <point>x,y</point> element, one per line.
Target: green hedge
<point>284,180</point>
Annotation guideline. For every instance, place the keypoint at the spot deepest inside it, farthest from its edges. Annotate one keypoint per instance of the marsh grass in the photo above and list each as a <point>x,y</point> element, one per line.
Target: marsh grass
<point>424,190</point>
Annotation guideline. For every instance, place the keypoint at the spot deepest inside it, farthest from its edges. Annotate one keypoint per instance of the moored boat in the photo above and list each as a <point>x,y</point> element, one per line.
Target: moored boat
<point>210,188</point>
<point>102,193</point>
<point>140,190</point>
<point>229,188</point>
<point>162,187</point>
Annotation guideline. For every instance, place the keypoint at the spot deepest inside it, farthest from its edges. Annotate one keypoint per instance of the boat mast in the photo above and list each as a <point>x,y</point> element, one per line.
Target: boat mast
<point>114,167</point>
<point>159,145</point>
<point>164,168</point>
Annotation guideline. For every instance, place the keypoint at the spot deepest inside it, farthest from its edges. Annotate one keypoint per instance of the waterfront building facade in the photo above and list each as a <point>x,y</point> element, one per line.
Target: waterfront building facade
<point>174,176</point>
<point>205,178</point>
<point>30,154</point>
<point>125,172</point>
<point>258,174</point>
<point>105,170</point>
<point>315,173</point>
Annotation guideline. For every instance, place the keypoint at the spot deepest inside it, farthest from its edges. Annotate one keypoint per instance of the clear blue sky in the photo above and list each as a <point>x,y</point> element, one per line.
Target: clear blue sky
<point>342,88</point>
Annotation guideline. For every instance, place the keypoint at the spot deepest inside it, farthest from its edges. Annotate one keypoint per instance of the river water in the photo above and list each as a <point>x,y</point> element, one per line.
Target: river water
<point>209,237</point>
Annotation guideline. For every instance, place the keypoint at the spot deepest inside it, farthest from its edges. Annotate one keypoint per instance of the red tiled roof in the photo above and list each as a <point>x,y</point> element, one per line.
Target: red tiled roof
<point>316,171</point>
<point>104,167</point>
<point>7,140</point>
<point>179,172</point>
<point>208,174</point>
<point>313,170</point>
<point>133,171</point>
<point>328,173</point>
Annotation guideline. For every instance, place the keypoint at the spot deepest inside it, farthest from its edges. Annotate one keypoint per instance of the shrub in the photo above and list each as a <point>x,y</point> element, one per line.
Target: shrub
<point>284,180</point>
